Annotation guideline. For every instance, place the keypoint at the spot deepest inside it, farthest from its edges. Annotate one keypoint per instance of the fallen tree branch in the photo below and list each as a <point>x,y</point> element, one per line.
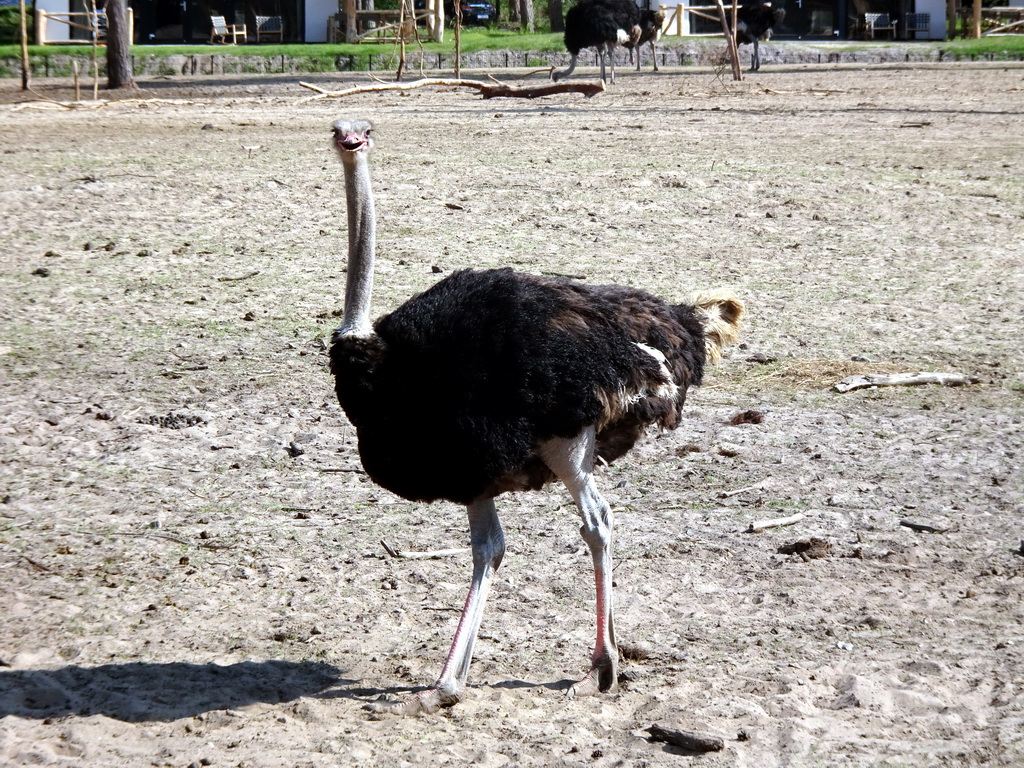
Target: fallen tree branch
<point>487,90</point>
<point>428,555</point>
<point>922,527</point>
<point>693,742</point>
<point>47,103</point>
<point>760,525</point>
<point>851,383</point>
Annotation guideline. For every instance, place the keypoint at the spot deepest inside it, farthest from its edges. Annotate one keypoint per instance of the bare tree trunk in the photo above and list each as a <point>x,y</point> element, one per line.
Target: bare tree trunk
<point>26,64</point>
<point>513,11</point>
<point>119,46</point>
<point>555,16</point>
<point>526,15</point>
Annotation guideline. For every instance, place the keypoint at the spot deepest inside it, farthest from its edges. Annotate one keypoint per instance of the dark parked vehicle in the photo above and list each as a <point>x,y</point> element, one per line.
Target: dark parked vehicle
<point>473,11</point>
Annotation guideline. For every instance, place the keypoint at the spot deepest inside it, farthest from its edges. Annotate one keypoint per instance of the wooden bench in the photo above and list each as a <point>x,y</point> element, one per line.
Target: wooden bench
<point>878,22</point>
<point>268,27</point>
<point>220,31</point>
<point>917,22</point>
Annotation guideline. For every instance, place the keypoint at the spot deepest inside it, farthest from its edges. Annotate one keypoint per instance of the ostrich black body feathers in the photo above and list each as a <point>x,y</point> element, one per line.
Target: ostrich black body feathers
<point>755,22</point>
<point>591,23</point>
<point>459,385</point>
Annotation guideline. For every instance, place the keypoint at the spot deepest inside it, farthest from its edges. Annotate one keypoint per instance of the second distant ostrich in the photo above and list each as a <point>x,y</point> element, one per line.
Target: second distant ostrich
<point>493,381</point>
<point>651,23</point>
<point>600,24</point>
<point>755,21</point>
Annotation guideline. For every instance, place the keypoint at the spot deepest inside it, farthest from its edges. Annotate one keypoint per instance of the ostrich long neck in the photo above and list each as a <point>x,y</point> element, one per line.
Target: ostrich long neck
<point>362,245</point>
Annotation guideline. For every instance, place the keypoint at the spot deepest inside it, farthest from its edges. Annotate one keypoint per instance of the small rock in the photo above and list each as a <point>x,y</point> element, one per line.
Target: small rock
<point>729,450</point>
<point>747,417</point>
<point>294,449</point>
<point>436,269</point>
<point>844,646</point>
<point>41,272</point>
<point>145,252</point>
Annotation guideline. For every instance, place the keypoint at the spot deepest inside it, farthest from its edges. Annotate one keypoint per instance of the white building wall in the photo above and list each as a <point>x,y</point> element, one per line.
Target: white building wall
<point>55,31</point>
<point>317,13</point>
<point>936,10</point>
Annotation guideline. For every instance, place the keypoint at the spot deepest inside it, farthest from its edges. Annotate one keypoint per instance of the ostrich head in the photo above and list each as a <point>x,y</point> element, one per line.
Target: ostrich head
<point>350,137</point>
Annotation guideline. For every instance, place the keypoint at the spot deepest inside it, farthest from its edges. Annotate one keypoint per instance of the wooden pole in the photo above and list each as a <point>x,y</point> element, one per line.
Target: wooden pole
<point>349,8</point>
<point>950,19</point>
<point>730,41</point>
<point>458,39</point>
<point>976,20</point>
<point>26,64</point>
<point>735,18</point>
<point>401,40</point>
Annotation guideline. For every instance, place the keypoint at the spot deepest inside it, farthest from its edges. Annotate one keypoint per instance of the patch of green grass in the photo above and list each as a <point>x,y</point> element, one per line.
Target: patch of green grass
<point>1000,47</point>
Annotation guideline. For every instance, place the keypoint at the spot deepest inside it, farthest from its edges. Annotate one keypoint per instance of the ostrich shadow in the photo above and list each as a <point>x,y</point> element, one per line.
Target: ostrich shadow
<point>149,692</point>
<point>138,692</point>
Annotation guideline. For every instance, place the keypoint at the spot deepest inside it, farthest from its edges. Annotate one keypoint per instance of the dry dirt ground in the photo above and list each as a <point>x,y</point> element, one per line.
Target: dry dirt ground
<point>179,589</point>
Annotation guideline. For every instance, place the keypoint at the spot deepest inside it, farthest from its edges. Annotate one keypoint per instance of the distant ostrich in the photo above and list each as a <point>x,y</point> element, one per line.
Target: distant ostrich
<point>651,23</point>
<point>600,24</point>
<point>494,381</point>
<point>755,21</point>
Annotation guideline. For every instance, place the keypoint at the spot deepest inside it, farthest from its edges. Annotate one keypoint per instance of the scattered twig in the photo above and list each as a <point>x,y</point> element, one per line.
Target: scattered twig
<point>34,564</point>
<point>487,90</point>
<point>236,279</point>
<point>851,383</point>
<point>562,274</point>
<point>922,527</point>
<point>694,742</point>
<point>428,555</point>
<point>738,491</point>
<point>760,525</point>
<point>353,470</point>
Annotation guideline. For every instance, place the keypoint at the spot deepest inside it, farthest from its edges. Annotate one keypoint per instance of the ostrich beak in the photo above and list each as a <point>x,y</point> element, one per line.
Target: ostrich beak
<point>350,142</point>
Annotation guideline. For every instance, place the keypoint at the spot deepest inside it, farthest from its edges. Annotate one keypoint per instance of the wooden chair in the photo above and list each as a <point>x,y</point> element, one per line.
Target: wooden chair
<point>917,22</point>
<point>269,27</point>
<point>221,31</point>
<point>879,22</point>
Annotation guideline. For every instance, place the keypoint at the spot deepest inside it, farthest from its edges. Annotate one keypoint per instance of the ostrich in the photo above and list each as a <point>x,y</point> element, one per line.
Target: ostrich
<point>600,24</point>
<point>494,381</point>
<point>651,23</point>
<point>755,21</point>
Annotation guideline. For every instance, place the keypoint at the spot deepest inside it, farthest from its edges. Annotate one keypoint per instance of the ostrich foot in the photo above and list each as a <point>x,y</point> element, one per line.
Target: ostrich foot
<point>424,703</point>
<point>603,677</point>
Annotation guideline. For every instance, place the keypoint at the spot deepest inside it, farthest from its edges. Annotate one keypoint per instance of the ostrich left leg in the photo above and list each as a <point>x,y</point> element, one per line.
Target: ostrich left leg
<point>572,461</point>
<point>488,544</point>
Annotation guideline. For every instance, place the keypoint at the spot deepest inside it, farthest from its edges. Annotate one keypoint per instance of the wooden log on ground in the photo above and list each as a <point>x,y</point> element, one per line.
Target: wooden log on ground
<point>693,742</point>
<point>487,90</point>
<point>863,381</point>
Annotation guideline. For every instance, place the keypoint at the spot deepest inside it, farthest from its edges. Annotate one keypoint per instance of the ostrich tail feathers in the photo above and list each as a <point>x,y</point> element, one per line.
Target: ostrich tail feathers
<point>720,312</point>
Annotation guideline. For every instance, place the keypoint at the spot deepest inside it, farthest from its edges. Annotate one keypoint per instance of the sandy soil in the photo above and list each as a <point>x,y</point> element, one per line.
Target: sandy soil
<point>179,589</point>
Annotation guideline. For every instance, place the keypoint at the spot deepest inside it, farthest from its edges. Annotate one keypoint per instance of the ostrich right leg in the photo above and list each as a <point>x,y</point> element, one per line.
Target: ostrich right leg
<point>755,61</point>
<point>488,544</point>
<point>572,461</point>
